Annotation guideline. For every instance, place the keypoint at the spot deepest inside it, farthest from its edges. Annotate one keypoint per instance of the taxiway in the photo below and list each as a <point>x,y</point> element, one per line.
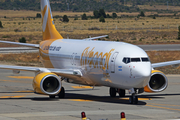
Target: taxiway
<point>18,102</point>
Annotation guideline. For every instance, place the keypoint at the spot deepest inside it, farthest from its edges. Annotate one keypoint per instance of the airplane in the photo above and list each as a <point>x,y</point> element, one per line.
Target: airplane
<point>118,65</point>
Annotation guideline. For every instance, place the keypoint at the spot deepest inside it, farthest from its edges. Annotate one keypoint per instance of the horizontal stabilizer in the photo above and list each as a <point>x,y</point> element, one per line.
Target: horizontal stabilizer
<point>22,44</point>
<point>93,38</point>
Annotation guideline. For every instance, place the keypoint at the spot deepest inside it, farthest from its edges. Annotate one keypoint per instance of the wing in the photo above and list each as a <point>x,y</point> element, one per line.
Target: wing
<point>70,73</point>
<point>161,64</point>
<point>23,44</point>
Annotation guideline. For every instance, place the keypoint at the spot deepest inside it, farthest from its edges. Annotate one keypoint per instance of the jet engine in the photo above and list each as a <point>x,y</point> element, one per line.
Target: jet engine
<point>47,83</point>
<point>158,82</point>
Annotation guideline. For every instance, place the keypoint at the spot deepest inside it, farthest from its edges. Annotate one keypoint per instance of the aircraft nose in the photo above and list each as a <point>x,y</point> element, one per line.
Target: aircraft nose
<point>143,74</point>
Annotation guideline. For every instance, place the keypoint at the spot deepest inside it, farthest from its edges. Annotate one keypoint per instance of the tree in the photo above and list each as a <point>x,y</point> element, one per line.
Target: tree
<point>38,15</point>
<point>102,13</point>
<point>101,19</point>
<point>96,14</point>
<point>22,40</point>
<point>65,18</point>
<point>1,25</point>
<point>108,16</point>
<point>84,17</point>
<point>114,15</point>
<point>179,33</point>
<point>142,14</point>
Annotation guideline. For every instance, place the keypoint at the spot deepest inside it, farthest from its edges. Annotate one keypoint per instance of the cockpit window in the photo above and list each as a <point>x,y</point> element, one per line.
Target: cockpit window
<point>145,59</point>
<point>135,60</point>
<point>126,60</point>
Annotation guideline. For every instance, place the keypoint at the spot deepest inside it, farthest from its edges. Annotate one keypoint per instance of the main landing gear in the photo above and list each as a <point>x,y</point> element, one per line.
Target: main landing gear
<point>60,95</point>
<point>113,91</point>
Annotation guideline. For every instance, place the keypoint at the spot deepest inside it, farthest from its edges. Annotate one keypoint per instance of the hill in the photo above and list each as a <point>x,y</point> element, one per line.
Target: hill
<point>91,5</point>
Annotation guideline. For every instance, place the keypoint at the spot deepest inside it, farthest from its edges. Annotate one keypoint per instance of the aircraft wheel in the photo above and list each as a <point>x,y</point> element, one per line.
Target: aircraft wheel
<point>136,100</point>
<point>112,92</point>
<point>133,99</point>
<point>121,92</point>
<point>62,93</point>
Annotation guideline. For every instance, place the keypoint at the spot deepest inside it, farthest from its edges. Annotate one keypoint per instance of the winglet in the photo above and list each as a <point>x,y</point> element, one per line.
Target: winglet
<point>48,27</point>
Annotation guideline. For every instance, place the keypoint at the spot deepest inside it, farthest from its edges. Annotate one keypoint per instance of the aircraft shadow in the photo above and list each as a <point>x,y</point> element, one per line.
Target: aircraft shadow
<point>85,97</point>
<point>154,96</point>
<point>76,97</point>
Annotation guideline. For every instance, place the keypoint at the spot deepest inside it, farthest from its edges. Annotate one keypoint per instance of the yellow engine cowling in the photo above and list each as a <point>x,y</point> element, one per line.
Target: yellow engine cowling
<point>47,83</point>
<point>158,82</point>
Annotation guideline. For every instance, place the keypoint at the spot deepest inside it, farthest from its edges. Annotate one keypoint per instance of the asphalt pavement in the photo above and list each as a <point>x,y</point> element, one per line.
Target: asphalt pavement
<point>18,102</point>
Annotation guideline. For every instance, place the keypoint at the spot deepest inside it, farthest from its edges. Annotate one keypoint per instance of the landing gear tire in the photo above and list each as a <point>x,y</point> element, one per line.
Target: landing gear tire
<point>133,99</point>
<point>121,92</point>
<point>112,92</point>
<point>52,96</point>
<point>62,93</point>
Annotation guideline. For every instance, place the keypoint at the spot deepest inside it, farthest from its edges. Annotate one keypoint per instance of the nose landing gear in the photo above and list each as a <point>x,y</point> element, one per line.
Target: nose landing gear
<point>133,99</point>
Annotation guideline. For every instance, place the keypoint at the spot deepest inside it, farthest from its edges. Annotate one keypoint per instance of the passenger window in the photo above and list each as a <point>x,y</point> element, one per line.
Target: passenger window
<point>126,60</point>
<point>135,60</point>
<point>145,59</point>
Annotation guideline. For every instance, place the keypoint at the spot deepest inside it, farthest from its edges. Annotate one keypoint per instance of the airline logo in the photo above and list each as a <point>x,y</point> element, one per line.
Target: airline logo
<point>92,59</point>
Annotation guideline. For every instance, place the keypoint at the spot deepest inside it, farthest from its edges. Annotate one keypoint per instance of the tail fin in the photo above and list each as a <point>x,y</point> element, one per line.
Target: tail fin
<point>48,27</point>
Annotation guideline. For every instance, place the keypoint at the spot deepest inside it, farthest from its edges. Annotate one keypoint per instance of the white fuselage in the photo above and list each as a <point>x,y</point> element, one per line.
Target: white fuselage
<point>113,64</point>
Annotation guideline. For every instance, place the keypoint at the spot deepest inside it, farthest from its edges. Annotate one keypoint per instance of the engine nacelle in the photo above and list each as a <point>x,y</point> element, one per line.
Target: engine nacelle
<point>158,82</point>
<point>47,83</point>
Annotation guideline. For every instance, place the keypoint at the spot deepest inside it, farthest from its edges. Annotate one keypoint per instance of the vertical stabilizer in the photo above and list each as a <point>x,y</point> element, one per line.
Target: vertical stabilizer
<point>48,27</point>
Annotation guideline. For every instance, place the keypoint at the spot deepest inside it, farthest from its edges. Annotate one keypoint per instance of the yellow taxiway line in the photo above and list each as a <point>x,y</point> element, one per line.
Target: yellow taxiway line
<point>21,77</point>
<point>162,107</point>
<point>81,87</point>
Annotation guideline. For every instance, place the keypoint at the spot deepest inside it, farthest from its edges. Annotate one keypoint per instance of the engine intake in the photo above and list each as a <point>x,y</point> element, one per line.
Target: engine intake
<point>47,83</point>
<point>158,82</point>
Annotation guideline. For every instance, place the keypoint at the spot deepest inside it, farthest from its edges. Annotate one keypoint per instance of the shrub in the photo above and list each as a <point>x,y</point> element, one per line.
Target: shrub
<point>84,17</point>
<point>1,26</point>
<point>108,16</point>
<point>65,18</point>
<point>179,33</point>
<point>22,40</point>
<point>93,28</point>
<point>114,15</point>
<point>38,15</point>
<point>101,19</point>
<point>142,14</point>
<point>6,36</point>
<point>16,30</point>
<point>76,18</point>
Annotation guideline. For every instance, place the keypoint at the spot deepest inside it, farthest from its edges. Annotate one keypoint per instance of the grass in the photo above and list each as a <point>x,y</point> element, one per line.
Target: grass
<point>123,29</point>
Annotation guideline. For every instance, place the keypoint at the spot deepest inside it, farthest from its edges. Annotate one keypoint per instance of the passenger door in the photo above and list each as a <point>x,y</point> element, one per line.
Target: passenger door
<point>113,59</point>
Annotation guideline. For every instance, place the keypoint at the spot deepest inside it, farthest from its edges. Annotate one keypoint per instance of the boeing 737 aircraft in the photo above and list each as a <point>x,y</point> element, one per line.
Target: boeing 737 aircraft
<point>118,65</point>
